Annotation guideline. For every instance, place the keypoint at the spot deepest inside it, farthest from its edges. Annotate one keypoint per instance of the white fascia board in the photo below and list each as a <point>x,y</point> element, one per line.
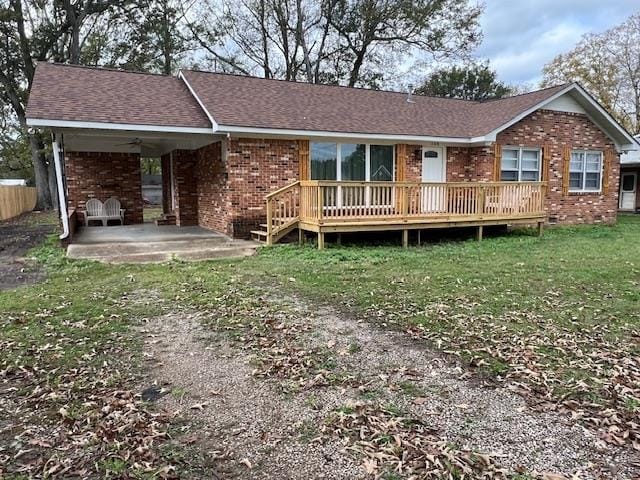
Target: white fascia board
<point>338,135</point>
<point>574,86</point>
<point>41,122</point>
<point>214,124</point>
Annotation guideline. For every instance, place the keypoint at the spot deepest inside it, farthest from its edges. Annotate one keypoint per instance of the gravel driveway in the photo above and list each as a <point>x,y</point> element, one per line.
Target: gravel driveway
<point>260,423</point>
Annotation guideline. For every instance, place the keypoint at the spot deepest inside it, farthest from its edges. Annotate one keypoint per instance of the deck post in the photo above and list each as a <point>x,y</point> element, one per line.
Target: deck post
<point>269,222</point>
<point>405,238</point>
<point>300,236</point>
<point>479,233</point>
<point>419,243</point>
<point>320,240</point>
<point>338,239</point>
<point>540,228</point>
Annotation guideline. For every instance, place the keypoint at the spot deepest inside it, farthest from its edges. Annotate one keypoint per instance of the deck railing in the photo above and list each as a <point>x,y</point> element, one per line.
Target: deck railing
<point>331,202</point>
<point>353,201</point>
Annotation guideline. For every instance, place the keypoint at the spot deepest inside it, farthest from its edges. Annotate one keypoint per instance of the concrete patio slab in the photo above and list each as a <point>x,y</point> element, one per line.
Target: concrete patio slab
<point>146,232</point>
<point>150,243</point>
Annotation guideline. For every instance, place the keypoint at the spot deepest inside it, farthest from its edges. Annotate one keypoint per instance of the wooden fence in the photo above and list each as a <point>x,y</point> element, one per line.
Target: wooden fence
<point>15,200</point>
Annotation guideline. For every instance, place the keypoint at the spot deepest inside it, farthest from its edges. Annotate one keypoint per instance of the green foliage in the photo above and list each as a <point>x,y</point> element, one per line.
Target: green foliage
<point>470,82</point>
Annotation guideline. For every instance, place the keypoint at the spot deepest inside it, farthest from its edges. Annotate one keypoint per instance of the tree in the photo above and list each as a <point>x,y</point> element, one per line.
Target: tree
<point>608,66</point>
<point>352,42</point>
<point>34,31</point>
<point>470,82</point>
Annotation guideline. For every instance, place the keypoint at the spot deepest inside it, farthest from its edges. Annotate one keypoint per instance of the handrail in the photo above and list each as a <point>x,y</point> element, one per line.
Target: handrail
<point>288,211</point>
<point>282,189</point>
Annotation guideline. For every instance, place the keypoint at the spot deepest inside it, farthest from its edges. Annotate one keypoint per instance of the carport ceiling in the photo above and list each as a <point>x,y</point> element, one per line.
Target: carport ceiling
<point>147,144</point>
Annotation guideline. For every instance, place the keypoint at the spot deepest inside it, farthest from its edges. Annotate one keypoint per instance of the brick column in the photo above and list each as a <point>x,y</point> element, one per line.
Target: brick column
<point>185,187</point>
<point>165,165</point>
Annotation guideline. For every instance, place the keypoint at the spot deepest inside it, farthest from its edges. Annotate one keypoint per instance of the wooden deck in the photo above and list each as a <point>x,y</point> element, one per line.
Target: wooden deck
<point>334,207</point>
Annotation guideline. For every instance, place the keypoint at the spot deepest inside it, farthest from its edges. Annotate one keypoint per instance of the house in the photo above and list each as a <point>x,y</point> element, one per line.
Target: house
<point>242,154</point>
<point>629,175</point>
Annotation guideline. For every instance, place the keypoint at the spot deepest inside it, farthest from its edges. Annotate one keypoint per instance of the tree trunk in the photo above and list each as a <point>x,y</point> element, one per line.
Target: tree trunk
<point>41,173</point>
<point>53,186</point>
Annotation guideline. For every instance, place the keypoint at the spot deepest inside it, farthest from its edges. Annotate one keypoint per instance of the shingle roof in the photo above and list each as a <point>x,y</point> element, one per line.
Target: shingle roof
<point>88,94</point>
<point>241,101</point>
<point>68,92</point>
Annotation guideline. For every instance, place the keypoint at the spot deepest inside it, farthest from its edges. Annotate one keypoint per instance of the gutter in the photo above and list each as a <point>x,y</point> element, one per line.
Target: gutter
<point>62,200</point>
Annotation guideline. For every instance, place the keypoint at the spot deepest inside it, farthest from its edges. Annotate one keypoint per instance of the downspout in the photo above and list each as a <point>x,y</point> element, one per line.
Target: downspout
<point>62,197</point>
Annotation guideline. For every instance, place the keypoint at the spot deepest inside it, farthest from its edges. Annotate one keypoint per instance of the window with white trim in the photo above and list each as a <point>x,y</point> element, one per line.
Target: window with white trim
<point>351,162</point>
<point>520,164</point>
<point>585,171</point>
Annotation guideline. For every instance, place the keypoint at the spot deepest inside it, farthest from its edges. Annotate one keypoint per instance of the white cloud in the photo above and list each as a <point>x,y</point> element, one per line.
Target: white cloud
<point>521,36</point>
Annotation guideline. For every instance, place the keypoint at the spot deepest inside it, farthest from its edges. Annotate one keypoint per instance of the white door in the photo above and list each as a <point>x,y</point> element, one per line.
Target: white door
<point>628,185</point>
<point>434,170</point>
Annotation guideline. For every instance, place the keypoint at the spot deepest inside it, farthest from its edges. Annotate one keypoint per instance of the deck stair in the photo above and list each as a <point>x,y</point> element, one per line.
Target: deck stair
<point>282,225</point>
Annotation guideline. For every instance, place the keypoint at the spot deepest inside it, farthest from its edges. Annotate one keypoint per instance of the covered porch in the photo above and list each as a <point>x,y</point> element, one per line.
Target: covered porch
<point>105,164</point>
<point>335,207</point>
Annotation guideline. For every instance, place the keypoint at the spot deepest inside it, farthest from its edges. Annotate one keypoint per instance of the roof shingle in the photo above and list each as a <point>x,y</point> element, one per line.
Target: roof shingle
<point>74,93</point>
<point>234,100</point>
<point>89,94</point>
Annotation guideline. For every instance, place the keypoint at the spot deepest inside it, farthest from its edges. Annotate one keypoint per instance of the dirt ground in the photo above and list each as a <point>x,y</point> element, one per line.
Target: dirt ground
<point>257,423</point>
<point>17,237</point>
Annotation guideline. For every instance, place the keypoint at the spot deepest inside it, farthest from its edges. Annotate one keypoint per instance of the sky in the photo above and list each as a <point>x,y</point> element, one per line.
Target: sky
<point>520,36</point>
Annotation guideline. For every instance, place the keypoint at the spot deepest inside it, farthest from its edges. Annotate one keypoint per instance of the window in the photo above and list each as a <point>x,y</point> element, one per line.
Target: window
<point>520,164</point>
<point>324,158</point>
<point>585,171</point>
<point>381,160</point>
<point>351,162</point>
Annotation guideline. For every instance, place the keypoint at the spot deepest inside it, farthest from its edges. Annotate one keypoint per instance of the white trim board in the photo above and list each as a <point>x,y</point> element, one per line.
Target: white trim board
<point>214,124</point>
<point>346,135</point>
<point>41,122</point>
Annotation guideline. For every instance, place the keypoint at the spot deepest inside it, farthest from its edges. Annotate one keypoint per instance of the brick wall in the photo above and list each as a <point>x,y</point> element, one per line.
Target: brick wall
<point>560,129</point>
<point>185,184</point>
<point>165,165</point>
<point>103,175</point>
<point>214,205</point>
<point>256,167</point>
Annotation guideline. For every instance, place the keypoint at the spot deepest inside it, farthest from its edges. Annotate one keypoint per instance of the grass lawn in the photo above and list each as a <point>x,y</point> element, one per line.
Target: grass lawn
<point>555,318</point>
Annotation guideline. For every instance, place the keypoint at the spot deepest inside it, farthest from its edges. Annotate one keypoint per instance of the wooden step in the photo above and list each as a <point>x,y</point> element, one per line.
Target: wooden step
<point>259,236</point>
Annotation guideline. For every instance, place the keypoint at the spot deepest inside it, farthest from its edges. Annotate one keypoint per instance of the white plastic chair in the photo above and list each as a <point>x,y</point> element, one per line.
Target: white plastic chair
<point>112,210</point>
<point>93,211</point>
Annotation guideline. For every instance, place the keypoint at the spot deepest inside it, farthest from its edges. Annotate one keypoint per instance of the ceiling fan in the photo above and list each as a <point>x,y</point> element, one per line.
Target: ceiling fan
<point>137,142</point>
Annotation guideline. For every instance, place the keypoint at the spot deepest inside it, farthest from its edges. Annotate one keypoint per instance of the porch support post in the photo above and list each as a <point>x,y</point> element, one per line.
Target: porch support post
<point>405,238</point>
<point>479,233</point>
<point>62,194</point>
<point>320,240</point>
<point>338,239</point>
<point>540,228</point>
<point>300,236</point>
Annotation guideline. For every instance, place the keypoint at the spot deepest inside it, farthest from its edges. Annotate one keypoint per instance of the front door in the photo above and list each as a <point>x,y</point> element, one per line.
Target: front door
<point>628,185</point>
<point>434,170</point>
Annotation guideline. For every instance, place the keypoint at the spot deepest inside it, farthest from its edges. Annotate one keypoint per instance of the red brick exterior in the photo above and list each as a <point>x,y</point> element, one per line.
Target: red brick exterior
<point>165,165</point>
<point>557,130</point>
<point>256,167</point>
<point>223,186</point>
<point>214,205</point>
<point>103,175</point>
<point>185,185</point>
